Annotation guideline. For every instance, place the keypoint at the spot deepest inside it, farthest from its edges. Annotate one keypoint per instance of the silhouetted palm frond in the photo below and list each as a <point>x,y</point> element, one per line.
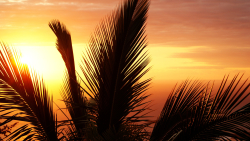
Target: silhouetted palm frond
<point>23,94</point>
<point>210,117</point>
<point>177,109</point>
<point>71,94</point>
<point>114,65</point>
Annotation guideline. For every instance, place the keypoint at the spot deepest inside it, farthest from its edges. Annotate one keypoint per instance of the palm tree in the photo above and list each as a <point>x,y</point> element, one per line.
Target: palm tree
<point>113,67</point>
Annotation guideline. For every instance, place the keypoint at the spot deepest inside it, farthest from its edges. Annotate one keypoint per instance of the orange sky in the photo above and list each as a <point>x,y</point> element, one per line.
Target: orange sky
<point>200,39</point>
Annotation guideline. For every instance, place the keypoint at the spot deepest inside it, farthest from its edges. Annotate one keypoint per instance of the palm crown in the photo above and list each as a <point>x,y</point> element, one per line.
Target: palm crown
<point>113,67</point>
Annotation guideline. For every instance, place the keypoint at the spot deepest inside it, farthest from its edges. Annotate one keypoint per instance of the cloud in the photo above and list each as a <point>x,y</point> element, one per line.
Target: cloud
<point>178,23</point>
<point>219,57</point>
<point>59,4</point>
<point>199,23</point>
<point>198,67</point>
<point>44,3</point>
<point>16,0</point>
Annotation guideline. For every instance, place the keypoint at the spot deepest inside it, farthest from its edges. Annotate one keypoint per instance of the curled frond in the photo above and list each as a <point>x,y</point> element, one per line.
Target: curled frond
<point>71,93</point>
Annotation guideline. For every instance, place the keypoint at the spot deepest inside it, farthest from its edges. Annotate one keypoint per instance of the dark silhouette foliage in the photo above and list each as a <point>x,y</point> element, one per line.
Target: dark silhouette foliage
<point>109,102</point>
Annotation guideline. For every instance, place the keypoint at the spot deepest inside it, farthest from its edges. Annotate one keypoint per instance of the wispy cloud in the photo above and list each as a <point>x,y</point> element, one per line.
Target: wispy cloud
<point>199,23</point>
<point>44,3</point>
<point>214,32</point>
<point>219,57</point>
<point>16,0</point>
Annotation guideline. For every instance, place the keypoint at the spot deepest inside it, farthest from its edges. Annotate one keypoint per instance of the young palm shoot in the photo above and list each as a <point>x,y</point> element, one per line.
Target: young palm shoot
<point>72,95</point>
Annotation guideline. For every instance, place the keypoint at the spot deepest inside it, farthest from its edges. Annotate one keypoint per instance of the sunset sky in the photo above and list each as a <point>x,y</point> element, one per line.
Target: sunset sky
<point>199,39</point>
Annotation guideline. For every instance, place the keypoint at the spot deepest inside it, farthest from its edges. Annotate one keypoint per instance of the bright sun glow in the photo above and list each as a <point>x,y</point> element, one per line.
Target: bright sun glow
<point>25,59</point>
<point>35,58</point>
<point>44,60</point>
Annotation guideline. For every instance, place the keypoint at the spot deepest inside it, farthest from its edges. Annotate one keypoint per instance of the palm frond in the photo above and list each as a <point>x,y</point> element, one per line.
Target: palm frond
<point>209,117</point>
<point>220,121</point>
<point>21,90</point>
<point>114,65</point>
<point>177,109</point>
<point>71,94</point>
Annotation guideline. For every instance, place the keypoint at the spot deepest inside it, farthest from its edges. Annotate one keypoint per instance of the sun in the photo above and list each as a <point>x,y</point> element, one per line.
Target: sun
<point>44,60</point>
<point>25,59</point>
<point>33,58</point>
